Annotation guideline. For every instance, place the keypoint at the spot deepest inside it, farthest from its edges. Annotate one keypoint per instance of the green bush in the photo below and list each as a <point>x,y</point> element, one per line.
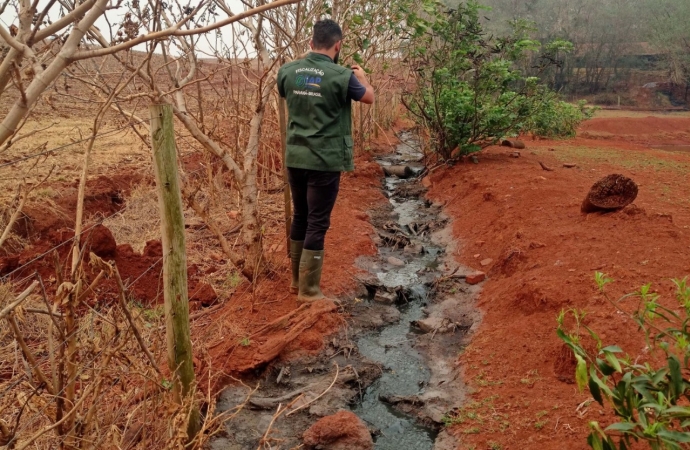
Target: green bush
<point>555,118</point>
<point>469,91</point>
<point>651,403</point>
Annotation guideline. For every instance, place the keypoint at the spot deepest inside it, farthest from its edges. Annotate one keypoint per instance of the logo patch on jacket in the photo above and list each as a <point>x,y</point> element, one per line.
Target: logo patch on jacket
<point>308,82</point>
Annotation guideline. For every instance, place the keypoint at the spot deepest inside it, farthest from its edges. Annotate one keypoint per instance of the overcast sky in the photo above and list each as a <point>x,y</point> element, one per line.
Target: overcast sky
<point>9,17</point>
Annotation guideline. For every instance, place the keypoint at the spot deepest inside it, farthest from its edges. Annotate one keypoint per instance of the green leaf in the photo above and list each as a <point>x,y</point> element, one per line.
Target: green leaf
<point>674,436</point>
<point>611,358</point>
<point>366,44</point>
<point>581,372</point>
<point>595,391</point>
<point>677,411</point>
<point>676,377</point>
<point>358,58</point>
<point>612,349</point>
<point>606,369</point>
<point>601,384</point>
<point>621,426</point>
<point>594,441</point>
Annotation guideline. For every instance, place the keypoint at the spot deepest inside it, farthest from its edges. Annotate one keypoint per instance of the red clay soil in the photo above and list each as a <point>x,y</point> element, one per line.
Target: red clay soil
<point>341,431</point>
<point>647,130</point>
<point>348,239</point>
<point>544,253</point>
<point>51,225</point>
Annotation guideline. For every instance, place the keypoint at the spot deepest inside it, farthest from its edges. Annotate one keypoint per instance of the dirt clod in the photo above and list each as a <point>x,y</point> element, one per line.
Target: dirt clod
<point>341,431</point>
<point>153,249</point>
<point>398,171</point>
<point>204,294</point>
<point>395,261</point>
<point>612,192</point>
<point>102,241</point>
<point>513,143</point>
<point>475,278</point>
<point>384,297</point>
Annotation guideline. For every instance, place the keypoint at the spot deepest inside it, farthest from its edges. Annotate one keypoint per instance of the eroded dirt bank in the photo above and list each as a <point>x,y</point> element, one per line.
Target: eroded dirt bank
<point>523,226</point>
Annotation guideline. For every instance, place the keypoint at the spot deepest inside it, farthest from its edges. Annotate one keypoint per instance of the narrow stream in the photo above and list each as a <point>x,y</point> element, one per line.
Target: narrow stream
<point>405,272</point>
<point>398,373</point>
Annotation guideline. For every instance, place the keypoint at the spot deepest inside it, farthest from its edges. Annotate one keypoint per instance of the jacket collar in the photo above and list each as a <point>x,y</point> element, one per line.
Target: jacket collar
<point>319,57</point>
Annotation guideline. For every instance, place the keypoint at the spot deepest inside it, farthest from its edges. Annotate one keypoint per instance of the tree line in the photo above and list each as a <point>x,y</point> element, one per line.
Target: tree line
<point>612,41</point>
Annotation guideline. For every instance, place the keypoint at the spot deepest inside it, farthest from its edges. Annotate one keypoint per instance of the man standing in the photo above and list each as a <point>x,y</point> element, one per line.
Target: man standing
<point>319,93</point>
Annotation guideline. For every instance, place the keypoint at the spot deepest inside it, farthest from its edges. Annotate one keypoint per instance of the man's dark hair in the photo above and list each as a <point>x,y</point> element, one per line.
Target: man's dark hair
<point>326,34</point>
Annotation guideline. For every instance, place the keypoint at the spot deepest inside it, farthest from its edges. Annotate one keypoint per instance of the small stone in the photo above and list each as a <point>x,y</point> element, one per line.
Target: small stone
<point>384,297</point>
<point>414,249</point>
<point>426,182</point>
<point>474,159</point>
<point>395,261</point>
<point>569,165</point>
<point>430,324</point>
<point>233,214</point>
<point>475,278</point>
<point>486,262</point>
<point>515,154</point>
<point>477,255</point>
<point>390,315</point>
<point>480,243</point>
<point>215,256</point>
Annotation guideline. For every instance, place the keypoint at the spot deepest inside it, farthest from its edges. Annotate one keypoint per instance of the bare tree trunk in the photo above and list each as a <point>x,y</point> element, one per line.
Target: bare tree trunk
<point>287,197</point>
<point>174,258</point>
<point>251,225</point>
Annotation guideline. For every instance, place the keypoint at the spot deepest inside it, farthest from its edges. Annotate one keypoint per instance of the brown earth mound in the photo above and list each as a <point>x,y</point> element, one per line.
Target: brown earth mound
<point>341,431</point>
<point>611,192</point>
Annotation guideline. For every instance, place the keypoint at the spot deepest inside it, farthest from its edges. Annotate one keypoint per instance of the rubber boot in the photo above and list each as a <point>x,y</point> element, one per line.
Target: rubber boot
<point>295,255</point>
<point>310,266</point>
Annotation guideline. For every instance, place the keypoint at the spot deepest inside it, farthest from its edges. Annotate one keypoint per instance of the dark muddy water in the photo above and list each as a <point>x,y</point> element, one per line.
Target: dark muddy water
<point>405,371</point>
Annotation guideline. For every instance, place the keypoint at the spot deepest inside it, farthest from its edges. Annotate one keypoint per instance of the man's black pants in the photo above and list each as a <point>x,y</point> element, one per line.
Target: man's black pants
<point>313,197</point>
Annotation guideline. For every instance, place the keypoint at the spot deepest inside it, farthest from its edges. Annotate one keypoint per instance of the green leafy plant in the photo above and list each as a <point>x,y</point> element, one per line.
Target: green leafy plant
<point>651,403</point>
<point>555,118</point>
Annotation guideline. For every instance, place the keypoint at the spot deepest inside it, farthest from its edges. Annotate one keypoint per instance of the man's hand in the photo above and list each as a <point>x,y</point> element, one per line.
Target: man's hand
<point>361,76</point>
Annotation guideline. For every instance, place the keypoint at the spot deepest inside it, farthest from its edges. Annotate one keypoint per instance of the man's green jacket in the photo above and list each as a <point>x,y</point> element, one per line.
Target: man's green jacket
<point>319,134</point>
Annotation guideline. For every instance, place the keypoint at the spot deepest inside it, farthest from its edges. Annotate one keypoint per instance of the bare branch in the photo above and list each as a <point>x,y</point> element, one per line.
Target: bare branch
<point>176,31</point>
<point>9,308</point>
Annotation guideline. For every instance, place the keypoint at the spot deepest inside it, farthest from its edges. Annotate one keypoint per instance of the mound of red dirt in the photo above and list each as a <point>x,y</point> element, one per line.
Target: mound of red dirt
<point>611,192</point>
<point>104,196</point>
<point>341,431</point>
